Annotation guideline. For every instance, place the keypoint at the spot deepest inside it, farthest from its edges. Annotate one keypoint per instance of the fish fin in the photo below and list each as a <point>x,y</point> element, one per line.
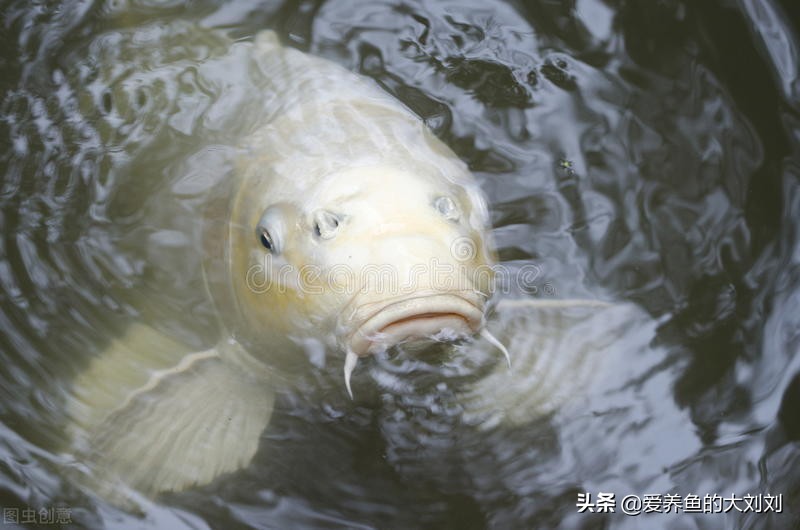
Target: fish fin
<point>561,353</point>
<point>511,305</point>
<point>182,425</point>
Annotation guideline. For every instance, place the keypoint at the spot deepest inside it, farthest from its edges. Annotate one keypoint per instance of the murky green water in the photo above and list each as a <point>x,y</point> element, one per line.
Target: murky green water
<point>643,152</point>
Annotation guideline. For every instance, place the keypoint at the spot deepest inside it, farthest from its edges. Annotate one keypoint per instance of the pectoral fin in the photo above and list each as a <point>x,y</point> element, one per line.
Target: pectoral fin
<point>181,426</point>
<point>559,350</point>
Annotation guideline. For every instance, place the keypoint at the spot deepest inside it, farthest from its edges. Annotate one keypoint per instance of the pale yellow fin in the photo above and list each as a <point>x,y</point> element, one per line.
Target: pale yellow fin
<point>160,428</point>
<point>560,349</point>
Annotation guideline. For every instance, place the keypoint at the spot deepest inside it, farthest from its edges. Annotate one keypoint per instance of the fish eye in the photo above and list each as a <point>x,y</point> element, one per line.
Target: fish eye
<point>447,207</point>
<point>271,228</point>
<point>266,239</point>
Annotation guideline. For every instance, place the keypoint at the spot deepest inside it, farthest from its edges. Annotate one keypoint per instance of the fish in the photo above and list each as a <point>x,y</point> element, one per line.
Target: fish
<point>346,223</point>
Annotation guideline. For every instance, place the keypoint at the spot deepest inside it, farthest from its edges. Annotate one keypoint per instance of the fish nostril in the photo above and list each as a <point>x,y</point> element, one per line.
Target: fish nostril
<point>326,224</point>
<point>447,207</point>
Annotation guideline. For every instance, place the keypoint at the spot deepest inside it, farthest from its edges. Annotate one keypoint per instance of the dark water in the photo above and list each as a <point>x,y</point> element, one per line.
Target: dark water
<point>648,151</point>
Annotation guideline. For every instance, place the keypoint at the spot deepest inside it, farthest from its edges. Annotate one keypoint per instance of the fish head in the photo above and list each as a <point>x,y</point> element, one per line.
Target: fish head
<point>371,257</point>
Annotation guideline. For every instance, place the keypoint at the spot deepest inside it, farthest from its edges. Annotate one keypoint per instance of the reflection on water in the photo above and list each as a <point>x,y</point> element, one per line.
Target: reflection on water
<point>645,153</point>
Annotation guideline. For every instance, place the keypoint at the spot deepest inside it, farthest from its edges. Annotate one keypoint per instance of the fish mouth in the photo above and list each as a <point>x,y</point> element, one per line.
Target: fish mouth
<point>432,316</point>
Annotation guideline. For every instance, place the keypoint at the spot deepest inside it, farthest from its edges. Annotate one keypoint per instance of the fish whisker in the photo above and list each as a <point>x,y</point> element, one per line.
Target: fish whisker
<point>499,345</point>
<point>350,362</point>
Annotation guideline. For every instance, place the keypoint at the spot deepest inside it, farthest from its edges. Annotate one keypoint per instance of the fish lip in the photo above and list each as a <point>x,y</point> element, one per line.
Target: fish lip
<point>416,317</point>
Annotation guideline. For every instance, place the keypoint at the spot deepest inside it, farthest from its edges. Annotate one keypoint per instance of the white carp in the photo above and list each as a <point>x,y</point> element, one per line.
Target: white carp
<point>342,206</point>
<point>349,225</point>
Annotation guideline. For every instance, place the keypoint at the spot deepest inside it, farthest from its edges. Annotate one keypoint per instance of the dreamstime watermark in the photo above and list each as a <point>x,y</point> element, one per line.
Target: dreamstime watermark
<point>463,249</point>
<point>276,275</point>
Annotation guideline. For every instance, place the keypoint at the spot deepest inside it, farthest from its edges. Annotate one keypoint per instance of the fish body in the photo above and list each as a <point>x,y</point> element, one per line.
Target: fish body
<point>346,224</point>
<point>340,204</point>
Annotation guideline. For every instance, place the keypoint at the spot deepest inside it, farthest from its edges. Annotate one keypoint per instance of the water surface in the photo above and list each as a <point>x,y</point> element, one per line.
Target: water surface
<point>645,153</point>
